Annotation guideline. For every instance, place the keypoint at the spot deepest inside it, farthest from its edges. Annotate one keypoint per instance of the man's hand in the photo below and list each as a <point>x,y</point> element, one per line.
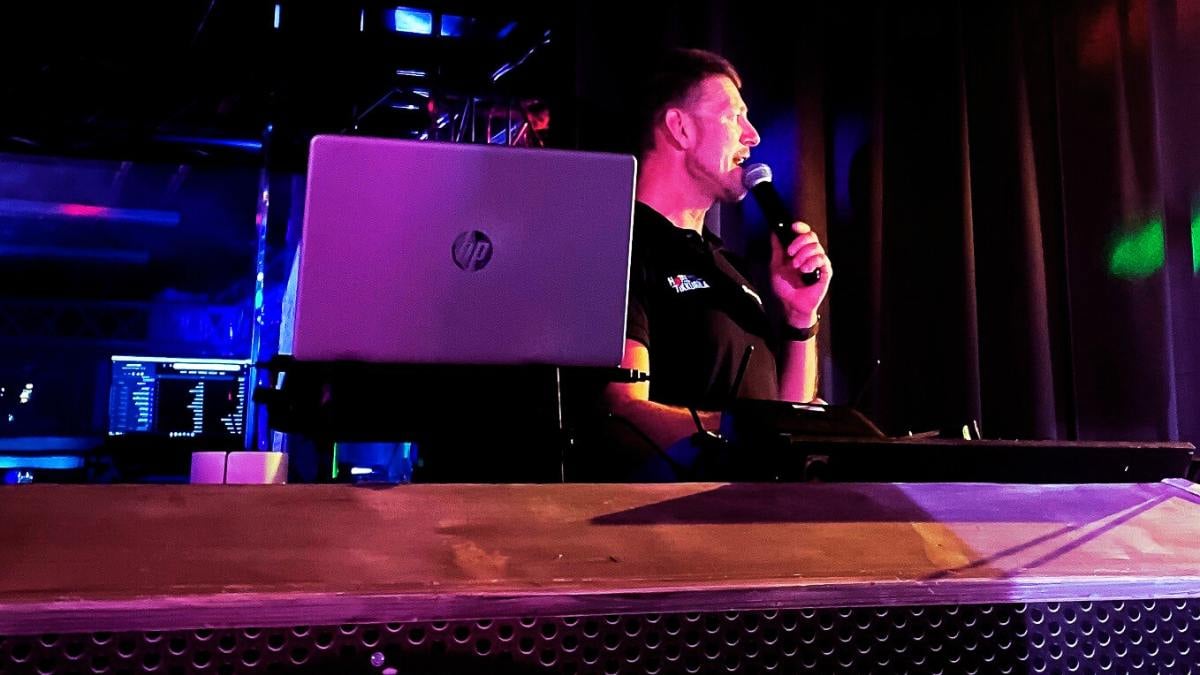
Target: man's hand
<point>804,254</point>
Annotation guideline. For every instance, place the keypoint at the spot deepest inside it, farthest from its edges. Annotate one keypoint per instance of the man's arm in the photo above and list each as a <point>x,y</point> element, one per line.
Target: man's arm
<point>798,375</point>
<point>665,425</point>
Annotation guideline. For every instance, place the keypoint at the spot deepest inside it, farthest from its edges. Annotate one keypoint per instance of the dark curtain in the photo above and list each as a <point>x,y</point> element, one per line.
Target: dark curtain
<point>1128,84</point>
<point>962,226</point>
<point>1008,190</point>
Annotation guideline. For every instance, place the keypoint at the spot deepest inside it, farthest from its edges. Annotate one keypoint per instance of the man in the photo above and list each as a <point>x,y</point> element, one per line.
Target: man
<point>692,314</point>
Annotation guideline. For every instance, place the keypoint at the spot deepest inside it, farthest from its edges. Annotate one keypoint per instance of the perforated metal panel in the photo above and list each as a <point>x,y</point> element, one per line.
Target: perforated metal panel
<point>1120,636</point>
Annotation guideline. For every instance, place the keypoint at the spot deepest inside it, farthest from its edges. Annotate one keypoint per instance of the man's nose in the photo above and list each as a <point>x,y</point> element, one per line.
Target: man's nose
<point>750,137</point>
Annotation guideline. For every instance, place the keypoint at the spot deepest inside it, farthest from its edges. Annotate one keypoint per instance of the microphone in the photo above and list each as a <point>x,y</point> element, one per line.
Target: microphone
<point>757,179</point>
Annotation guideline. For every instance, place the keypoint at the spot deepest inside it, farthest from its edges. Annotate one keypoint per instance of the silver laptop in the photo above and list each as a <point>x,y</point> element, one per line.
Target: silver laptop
<point>447,253</point>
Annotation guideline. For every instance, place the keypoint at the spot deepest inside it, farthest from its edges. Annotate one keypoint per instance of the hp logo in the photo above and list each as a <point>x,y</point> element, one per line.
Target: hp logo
<point>472,251</point>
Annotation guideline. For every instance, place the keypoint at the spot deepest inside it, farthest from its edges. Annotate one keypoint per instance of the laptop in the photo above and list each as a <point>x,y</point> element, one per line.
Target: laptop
<point>452,253</point>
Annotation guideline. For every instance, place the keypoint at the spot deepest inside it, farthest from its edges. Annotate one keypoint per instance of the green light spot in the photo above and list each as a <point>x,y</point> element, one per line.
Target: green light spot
<point>1196,240</point>
<point>1140,253</point>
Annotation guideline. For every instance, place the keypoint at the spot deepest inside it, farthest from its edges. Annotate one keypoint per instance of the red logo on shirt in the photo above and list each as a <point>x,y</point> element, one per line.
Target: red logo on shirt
<point>683,283</point>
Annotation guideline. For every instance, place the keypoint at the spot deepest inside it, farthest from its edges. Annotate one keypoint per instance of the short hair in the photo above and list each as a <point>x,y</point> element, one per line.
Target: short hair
<point>669,81</point>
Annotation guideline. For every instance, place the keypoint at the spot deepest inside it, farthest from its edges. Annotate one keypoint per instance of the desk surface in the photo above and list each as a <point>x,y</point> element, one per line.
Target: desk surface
<point>89,558</point>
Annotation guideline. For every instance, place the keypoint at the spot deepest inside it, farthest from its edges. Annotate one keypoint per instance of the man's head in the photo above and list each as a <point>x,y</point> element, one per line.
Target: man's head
<point>670,82</point>
<point>691,110</point>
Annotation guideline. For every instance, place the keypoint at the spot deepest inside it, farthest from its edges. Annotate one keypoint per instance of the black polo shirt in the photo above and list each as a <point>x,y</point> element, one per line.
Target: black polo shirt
<point>696,314</point>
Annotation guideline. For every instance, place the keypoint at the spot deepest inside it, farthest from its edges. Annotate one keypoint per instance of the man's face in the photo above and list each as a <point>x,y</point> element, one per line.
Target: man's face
<point>724,137</point>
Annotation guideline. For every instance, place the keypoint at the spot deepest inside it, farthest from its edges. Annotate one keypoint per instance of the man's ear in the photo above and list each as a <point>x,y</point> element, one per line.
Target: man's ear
<point>679,128</point>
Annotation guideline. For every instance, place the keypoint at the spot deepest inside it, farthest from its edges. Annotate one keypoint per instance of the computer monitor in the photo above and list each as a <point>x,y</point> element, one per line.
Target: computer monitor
<point>179,398</point>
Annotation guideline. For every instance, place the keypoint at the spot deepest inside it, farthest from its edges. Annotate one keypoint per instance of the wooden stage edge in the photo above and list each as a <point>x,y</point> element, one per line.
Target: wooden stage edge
<point>79,559</point>
<point>267,610</point>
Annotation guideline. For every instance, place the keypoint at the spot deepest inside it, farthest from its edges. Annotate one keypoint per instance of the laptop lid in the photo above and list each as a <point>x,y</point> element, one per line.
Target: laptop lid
<point>448,253</point>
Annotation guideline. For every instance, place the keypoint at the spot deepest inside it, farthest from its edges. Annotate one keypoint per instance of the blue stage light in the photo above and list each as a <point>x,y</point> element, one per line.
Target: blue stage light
<point>453,26</point>
<point>415,21</point>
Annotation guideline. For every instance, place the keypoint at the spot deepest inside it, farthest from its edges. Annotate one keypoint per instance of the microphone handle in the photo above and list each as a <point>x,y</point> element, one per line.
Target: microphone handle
<point>780,219</point>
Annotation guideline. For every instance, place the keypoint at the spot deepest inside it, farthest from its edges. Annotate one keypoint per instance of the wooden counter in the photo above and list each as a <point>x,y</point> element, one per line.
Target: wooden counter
<point>94,558</point>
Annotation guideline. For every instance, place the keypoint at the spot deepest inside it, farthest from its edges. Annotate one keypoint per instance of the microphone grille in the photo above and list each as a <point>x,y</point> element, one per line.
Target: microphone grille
<point>753,174</point>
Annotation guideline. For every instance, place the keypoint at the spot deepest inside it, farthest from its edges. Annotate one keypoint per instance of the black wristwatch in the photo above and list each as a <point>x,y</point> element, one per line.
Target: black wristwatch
<point>794,334</point>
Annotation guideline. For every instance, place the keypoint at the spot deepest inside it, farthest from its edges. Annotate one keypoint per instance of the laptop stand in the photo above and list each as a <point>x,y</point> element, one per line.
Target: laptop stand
<point>473,423</point>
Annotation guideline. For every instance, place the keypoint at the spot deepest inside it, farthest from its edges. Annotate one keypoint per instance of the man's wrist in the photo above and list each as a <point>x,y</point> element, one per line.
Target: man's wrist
<point>801,329</point>
<point>803,319</point>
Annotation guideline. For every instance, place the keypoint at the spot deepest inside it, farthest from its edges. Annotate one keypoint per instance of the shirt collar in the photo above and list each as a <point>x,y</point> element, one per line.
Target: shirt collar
<point>660,226</point>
